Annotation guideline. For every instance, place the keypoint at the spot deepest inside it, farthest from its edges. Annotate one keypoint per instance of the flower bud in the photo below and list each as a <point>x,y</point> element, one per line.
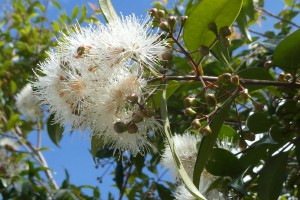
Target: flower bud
<point>298,104</point>
<point>210,100</point>
<point>132,128</point>
<point>212,26</point>
<point>189,112</point>
<point>196,123</point>
<point>243,144</point>
<point>133,98</point>
<point>120,127</point>
<point>172,22</point>
<point>153,12</point>
<point>259,107</point>
<point>244,94</point>
<point>167,56</point>
<point>249,136</point>
<point>183,20</point>
<point>287,76</point>
<point>187,102</point>
<point>137,117</point>
<point>235,80</point>
<point>164,26</point>
<point>225,31</point>
<point>148,112</point>
<point>204,50</point>
<point>268,64</point>
<point>206,131</point>
<point>225,41</point>
<point>160,14</point>
<point>224,78</point>
<point>280,77</point>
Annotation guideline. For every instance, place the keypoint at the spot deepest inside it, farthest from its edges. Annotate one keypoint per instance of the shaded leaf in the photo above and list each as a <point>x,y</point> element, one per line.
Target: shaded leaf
<point>108,10</point>
<point>119,177</point>
<point>55,131</point>
<point>163,192</point>
<point>259,122</point>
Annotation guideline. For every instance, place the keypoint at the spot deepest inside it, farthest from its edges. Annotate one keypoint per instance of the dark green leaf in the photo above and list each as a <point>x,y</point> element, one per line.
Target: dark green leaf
<point>272,176</point>
<point>221,53</point>
<point>119,177</point>
<point>55,131</point>
<point>163,192</point>
<point>208,142</point>
<point>297,150</point>
<point>227,132</point>
<point>259,122</point>
<point>286,55</point>
<point>221,12</point>
<point>108,10</point>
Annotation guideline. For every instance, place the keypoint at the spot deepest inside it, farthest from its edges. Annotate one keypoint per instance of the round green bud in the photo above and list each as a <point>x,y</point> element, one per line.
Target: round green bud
<point>196,123</point>
<point>206,130</point>
<point>268,64</point>
<point>244,94</point>
<point>225,31</point>
<point>137,117</point>
<point>132,128</point>
<point>120,127</point>
<point>249,136</point>
<point>211,100</point>
<point>235,79</point>
<point>167,56</point>
<point>164,26</point>
<point>153,12</point>
<point>160,14</point>
<point>204,50</point>
<point>148,112</point>
<point>133,98</point>
<point>259,107</point>
<point>224,78</point>
<point>172,22</point>
<point>189,112</point>
<point>225,41</point>
<point>183,20</point>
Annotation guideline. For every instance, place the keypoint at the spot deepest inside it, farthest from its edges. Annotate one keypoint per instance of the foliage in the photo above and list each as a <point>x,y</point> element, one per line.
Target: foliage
<point>247,96</point>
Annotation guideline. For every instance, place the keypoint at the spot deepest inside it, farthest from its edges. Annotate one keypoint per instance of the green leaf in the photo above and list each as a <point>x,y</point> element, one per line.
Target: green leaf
<point>297,151</point>
<point>163,192</point>
<point>243,24</point>
<point>56,4</point>
<point>272,176</point>
<point>223,163</point>
<point>108,10</point>
<point>255,73</point>
<point>222,12</point>
<point>259,122</point>
<point>286,55</point>
<point>155,100</point>
<point>229,133</point>
<point>97,147</point>
<point>221,53</point>
<point>55,131</point>
<point>187,181</point>
<point>75,12</point>
<point>119,177</point>
<point>208,142</point>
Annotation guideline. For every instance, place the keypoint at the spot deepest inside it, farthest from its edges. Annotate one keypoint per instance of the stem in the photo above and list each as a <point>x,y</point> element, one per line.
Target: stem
<point>125,182</point>
<point>39,134</point>
<point>242,81</point>
<point>277,17</point>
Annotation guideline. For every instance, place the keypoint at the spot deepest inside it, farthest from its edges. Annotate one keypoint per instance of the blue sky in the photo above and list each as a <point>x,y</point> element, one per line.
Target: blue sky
<point>74,152</point>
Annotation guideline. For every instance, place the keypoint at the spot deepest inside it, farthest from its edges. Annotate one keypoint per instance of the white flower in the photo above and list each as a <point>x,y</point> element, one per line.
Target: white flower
<point>186,148</point>
<point>182,193</point>
<point>27,102</point>
<point>9,142</point>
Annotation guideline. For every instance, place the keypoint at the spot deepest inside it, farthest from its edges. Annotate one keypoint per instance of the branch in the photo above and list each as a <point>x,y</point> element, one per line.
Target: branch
<point>277,17</point>
<point>242,81</point>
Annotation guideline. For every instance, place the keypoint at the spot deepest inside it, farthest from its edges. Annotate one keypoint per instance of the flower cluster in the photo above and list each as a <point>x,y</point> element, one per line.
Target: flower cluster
<point>186,148</point>
<point>94,81</point>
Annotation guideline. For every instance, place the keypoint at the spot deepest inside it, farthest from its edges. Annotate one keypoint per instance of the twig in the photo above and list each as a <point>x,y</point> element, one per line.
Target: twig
<point>279,18</point>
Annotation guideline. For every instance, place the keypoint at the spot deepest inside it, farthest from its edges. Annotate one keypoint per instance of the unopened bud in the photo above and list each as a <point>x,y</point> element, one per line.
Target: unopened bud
<point>249,136</point>
<point>164,26</point>
<point>183,20</point>
<point>225,41</point>
<point>172,22</point>
<point>224,78</point>
<point>196,123</point>
<point>132,128</point>
<point>225,31</point>
<point>204,50</point>
<point>210,100</point>
<point>287,76</point>
<point>189,112</point>
<point>259,107</point>
<point>281,77</point>
<point>298,104</point>
<point>167,56</point>
<point>120,127</point>
<point>160,14</point>
<point>153,12</point>
<point>212,26</point>
<point>268,64</point>
<point>244,94</point>
<point>133,98</point>
<point>148,112</point>
<point>243,144</point>
<point>137,117</point>
<point>235,80</point>
<point>188,101</point>
<point>206,131</point>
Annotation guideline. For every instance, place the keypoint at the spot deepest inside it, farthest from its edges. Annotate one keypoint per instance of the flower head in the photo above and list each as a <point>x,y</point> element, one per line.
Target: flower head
<point>27,102</point>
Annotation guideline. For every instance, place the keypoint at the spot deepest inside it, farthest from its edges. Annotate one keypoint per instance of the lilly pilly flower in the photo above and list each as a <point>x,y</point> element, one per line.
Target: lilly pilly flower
<point>186,149</point>
<point>27,102</point>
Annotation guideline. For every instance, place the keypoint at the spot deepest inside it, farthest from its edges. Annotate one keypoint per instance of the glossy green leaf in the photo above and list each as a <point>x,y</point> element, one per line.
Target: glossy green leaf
<point>108,10</point>
<point>208,142</point>
<point>243,24</point>
<point>223,163</point>
<point>75,12</point>
<point>255,73</point>
<point>286,55</point>
<point>163,192</point>
<point>119,176</point>
<point>272,176</point>
<point>222,12</point>
<point>227,132</point>
<point>186,179</point>
<point>55,131</point>
<point>259,122</point>
<point>221,53</point>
